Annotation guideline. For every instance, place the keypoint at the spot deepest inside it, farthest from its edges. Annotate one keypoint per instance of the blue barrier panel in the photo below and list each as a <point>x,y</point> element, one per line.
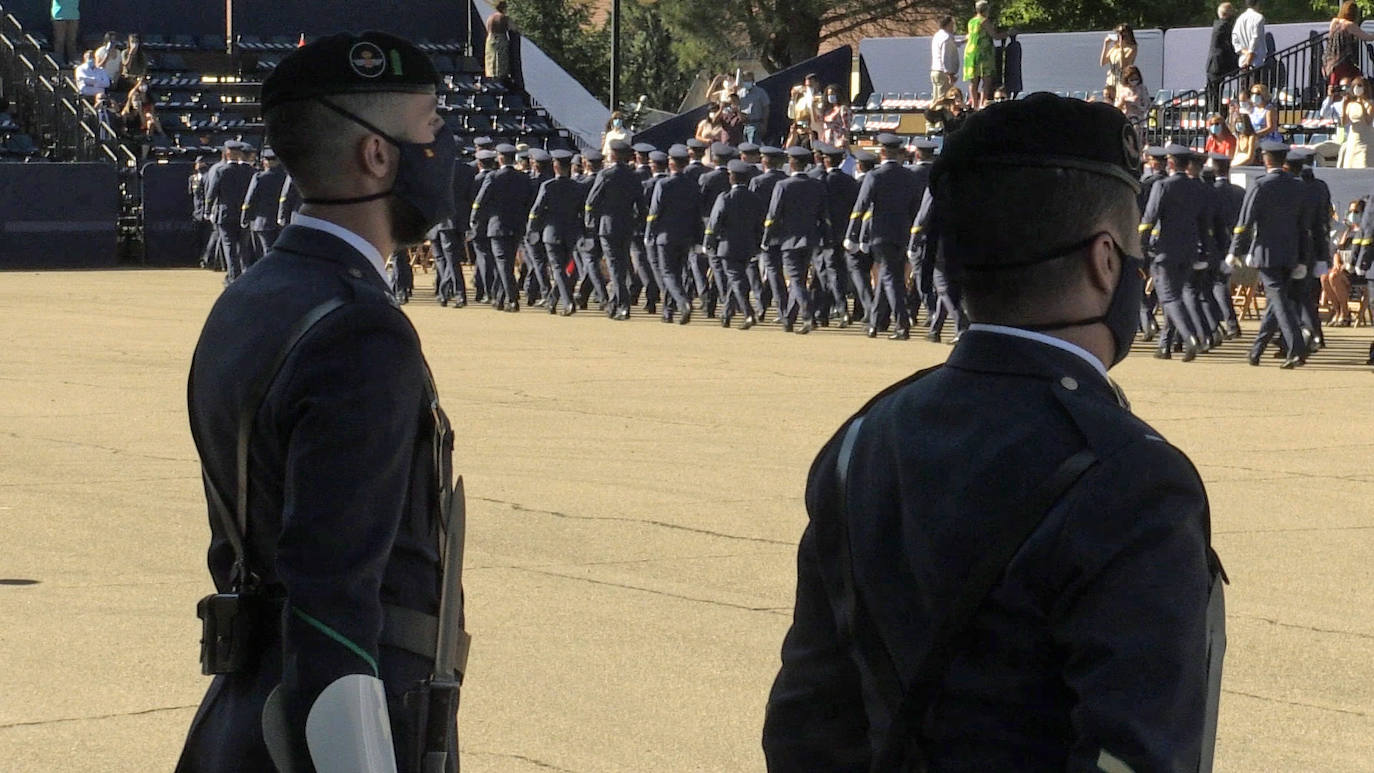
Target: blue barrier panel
<point>58,215</point>
<point>170,236</point>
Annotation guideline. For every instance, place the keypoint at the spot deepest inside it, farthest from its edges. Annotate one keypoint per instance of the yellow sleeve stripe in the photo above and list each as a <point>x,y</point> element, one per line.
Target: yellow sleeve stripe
<point>1240,229</point>
<point>588,208</point>
<point>855,215</point>
<point>1143,227</point>
<point>475,205</point>
<point>868,215</point>
<point>915,230</point>
<point>709,232</point>
<point>767,223</point>
<point>651,217</point>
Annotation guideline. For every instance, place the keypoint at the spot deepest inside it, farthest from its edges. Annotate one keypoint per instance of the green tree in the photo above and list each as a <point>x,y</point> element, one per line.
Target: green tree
<point>563,29</point>
<point>652,56</point>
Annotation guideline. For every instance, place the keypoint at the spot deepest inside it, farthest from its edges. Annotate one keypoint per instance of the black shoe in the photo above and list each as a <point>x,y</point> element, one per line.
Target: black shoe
<point>622,315</point>
<point>1163,354</point>
<point>442,299</point>
<point>724,321</point>
<point>553,308</point>
<point>1149,334</point>
<point>1280,354</point>
<point>499,305</point>
<point>747,323</point>
<point>846,321</point>
<point>872,332</point>
<point>651,308</point>
<point>902,335</point>
<point>933,337</point>
<point>514,306</point>
<point>568,311</point>
<point>786,326</point>
<point>1253,358</point>
<point>667,318</point>
<point>1190,350</point>
<point>955,340</point>
<point>806,327</point>
<point>686,316</point>
<point>460,303</point>
<point>1290,363</point>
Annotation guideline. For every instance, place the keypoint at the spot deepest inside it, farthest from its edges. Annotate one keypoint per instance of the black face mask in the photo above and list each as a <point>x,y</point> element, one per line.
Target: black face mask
<point>424,179</point>
<point>1123,311</point>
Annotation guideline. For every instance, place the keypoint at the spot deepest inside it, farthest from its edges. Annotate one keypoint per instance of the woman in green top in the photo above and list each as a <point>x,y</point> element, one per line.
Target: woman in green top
<point>978,55</point>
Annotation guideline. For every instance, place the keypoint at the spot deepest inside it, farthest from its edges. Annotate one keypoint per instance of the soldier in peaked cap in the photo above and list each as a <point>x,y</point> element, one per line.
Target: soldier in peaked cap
<point>1155,172</point>
<point>451,242</point>
<point>261,202</point>
<point>556,217</point>
<point>226,185</point>
<point>733,233</point>
<point>888,202</point>
<point>610,209</point>
<point>1087,634</point>
<point>645,274</point>
<point>1318,230</point>
<point>797,224</point>
<point>642,151</point>
<point>1176,222</point>
<point>487,282</point>
<point>830,263</point>
<point>1229,198</point>
<point>652,258</point>
<point>591,281</point>
<point>501,211</point>
<point>674,226</point>
<point>923,260</point>
<point>328,549</point>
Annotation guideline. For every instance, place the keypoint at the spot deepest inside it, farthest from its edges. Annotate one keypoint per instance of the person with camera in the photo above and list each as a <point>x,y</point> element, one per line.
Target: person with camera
<point>1119,50</point>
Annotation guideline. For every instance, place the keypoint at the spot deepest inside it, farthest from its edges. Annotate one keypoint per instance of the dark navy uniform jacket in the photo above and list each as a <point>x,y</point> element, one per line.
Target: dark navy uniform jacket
<point>1270,227</point>
<point>226,184</point>
<point>195,185</point>
<point>693,171</point>
<point>610,207</point>
<point>1095,638</point>
<point>841,191</point>
<point>735,227</point>
<point>342,515</point>
<point>1319,214</point>
<point>763,184</point>
<point>645,200</point>
<point>1178,218</point>
<point>797,217</point>
<point>675,212</point>
<point>713,183</point>
<point>537,181</point>
<point>502,207</point>
<point>464,191</point>
<point>288,202</point>
<point>889,199</point>
<point>556,217</point>
<point>1229,198</point>
<point>263,200</point>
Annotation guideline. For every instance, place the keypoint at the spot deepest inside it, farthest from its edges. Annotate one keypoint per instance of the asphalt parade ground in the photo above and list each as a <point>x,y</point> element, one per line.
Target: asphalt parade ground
<point>635,499</point>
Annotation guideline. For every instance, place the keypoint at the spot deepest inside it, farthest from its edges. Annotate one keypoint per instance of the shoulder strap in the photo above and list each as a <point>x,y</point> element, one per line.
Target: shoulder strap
<point>236,523</point>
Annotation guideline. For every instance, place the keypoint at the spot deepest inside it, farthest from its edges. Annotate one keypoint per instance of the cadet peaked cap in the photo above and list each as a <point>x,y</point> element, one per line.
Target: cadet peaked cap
<point>506,149</point>
<point>866,157</point>
<point>540,156</point>
<point>772,152</point>
<point>1177,151</point>
<point>679,152</point>
<point>889,140</point>
<point>921,143</point>
<point>269,153</point>
<point>696,144</point>
<point>737,166</point>
<point>658,157</point>
<point>620,146</point>
<point>367,63</point>
<point>643,147</point>
<point>748,147</point>
<point>798,151</point>
<point>1048,131</point>
<point>1154,151</point>
<point>822,148</point>
<point>484,142</point>
<point>1301,155</point>
<point>835,152</point>
<point>592,155</point>
<point>722,150</point>
<point>1274,146</point>
<point>561,155</point>
<point>485,154</point>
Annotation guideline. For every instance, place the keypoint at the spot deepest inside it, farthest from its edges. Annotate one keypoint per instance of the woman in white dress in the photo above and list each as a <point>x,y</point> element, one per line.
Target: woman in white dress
<point>1358,118</point>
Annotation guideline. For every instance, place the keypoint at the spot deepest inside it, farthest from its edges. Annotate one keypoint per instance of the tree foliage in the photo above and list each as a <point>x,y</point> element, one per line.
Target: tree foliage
<point>564,30</point>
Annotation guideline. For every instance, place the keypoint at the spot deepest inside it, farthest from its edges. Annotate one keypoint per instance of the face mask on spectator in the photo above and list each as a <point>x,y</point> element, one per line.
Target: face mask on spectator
<point>832,99</point>
<point>1214,128</point>
<point>1240,128</point>
<point>1257,99</point>
<point>616,122</point>
<point>1352,218</point>
<point>1358,91</point>
<point>746,85</point>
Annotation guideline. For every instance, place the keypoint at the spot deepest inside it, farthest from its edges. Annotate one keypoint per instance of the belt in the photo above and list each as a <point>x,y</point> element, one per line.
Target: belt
<point>402,628</point>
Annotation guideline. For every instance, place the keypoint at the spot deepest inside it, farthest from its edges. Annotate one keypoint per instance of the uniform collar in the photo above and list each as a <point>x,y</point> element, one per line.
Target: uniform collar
<point>737,186</point>
<point>362,246</point>
<point>1048,340</point>
<point>1027,354</point>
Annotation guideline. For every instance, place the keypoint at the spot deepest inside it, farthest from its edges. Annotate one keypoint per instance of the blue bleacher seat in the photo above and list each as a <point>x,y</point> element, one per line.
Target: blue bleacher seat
<point>444,64</point>
<point>875,101</point>
<point>857,125</point>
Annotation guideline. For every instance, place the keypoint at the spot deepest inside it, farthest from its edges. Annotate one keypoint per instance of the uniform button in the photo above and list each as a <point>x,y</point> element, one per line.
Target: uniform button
<point>355,273</point>
<point>1068,383</point>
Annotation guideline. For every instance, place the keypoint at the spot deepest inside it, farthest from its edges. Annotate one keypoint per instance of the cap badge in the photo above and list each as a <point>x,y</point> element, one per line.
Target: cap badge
<point>367,60</point>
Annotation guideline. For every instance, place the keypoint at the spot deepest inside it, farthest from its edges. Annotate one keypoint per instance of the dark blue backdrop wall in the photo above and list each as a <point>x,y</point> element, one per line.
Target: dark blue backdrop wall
<point>434,20</point>
<point>58,215</point>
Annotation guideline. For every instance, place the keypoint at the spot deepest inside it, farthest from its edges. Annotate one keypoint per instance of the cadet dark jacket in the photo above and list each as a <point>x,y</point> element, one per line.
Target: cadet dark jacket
<point>1270,227</point>
<point>1319,214</point>
<point>694,171</point>
<point>889,199</point>
<point>763,184</point>
<point>1095,639</point>
<point>797,218</point>
<point>1229,198</point>
<point>464,191</point>
<point>503,203</point>
<point>1178,219</point>
<point>610,208</point>
<point>288,202</point>
<point>841,191</point>
<point>556,217</point>
<point>263,199</point>
<point>537,182</point>
<point>675,212</point>
<point>341,516</point>
<point>735,227</point>
<point>225,186</point>
<point>195,185</point>
<point>713,183</point>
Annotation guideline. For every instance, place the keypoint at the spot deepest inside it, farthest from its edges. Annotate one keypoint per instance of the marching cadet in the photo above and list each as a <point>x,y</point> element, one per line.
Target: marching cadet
<point>591,280</point>
<point>1197,288</point>
<point>887,206</point>
<point>930,245</point>
<point>260,205</point>
<point>1318,228</point>
<point>226,184</point>
<point>452,241</point>
<point>1174,224</point>
<point>696,166</point>
<point>340,451</point>
<point>841,191</point>
<point>501,211</point>
<point>817,168</point>
<point>767,277</point>
<point>713,183</point>
<point>487,281</point>
<point>289,203</point>
<point>642,167</point>
<point>610,209</point>
<point>923,151</point>
<point>796,225</point>
<point>538,290</point>
<point>1002,568</point>
<point>733,233</point>
<point>1269,237</point>
<point>645,275</point>
<point>557,217</point>
<point>857,257</point>
<point>749,153</point>
<point>674,226</point>
<point>195,186</point>
<point>1154,173</point>
<point>1229,198</point>
<point>647,250</point>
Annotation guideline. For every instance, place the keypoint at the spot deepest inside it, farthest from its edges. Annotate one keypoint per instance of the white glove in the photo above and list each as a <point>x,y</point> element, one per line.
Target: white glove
<point>1251,261</point>
<point>1299,271</point>
<point>1232,262</point>
<point>1200,265</point>
<point>863,247</point>
<point>850,246</point>
<point>911,255</point>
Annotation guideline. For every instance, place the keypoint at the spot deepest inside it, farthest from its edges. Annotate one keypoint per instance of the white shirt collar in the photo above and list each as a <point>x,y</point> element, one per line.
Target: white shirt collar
<point>367,248</point>
<point>1048,340</point>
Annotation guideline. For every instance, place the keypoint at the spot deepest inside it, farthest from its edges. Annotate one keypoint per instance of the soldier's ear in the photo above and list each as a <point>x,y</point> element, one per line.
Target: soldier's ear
<point>374,157</point>
<point>1104,264</point>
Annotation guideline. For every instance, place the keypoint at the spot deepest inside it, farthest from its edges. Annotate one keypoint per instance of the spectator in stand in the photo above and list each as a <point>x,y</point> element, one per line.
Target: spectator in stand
<point>754,104</point>
<point>1220,139</point>
<point>731,122</point>
<point>91,79</point>
<point>802,104</point>
<point>1357,116</point>
<point>1131,96</point>
<point>978,55</point>
<point>1118,52</point>
<point>134,62</point>
<point>1247,142</point>
<point>1341,60</point>
<point>66,23</point>
<point>615,130</point>
<point>944,58</point>
<point>1264,116</point>
<point>1221,55</point>
<point>110,57</point>
<point>835,122</point>
<point>497,62</point>
<point>948,113</point>
<point>1248,39</point>
<point>710,129</point>
<point>1333,107</point>
<point>1336,283</point>
<point>107,119</point>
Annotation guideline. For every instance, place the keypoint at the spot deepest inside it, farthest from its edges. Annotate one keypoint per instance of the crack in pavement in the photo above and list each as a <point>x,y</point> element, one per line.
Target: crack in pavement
<point>512,756</point>
<point>36,723</point>
<point>623,586</point>
<point>1313,629</point>
<point>517,507</point>
<point>1295,529</point>
<point>1297,703</point>
<point>98,447</point>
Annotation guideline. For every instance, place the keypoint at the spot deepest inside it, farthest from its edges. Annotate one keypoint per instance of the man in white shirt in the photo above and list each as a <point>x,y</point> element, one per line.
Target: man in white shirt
<point>91,79</point>
<point>944,59</point>
<point>1248,38</point>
